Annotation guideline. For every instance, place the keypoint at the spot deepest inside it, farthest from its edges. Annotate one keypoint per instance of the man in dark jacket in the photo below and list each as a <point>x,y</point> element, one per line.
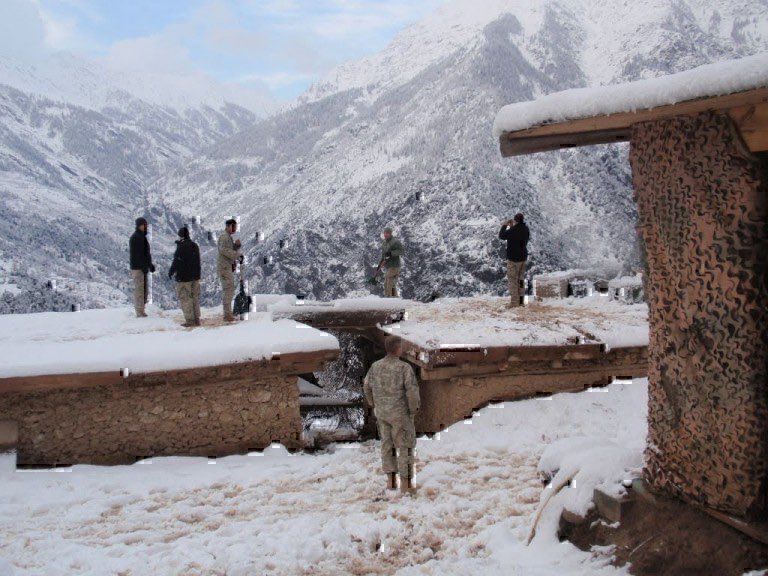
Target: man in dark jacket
<point>186,268</point>
<point>141,265</point>
<point>516,233</point>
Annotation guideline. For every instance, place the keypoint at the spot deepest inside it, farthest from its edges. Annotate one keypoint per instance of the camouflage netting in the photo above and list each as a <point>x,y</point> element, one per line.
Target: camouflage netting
<point>702,201</point>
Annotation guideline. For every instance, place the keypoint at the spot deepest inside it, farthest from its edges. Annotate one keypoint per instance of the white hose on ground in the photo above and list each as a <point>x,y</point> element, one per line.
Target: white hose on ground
<point>555,489</point>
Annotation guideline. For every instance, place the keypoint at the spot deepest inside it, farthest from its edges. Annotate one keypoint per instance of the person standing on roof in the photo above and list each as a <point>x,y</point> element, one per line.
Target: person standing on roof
<point>392,389</point>
<point>516,233</point>
<point>391,251</point>
<point>229,253</point>
<point>186,268</point>
<point>141,265</point>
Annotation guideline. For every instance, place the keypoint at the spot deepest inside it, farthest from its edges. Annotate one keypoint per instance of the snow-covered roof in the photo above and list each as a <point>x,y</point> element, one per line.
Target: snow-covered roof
<point>705,81</point>
<point>114,339</point>
<point>363,304</point>
<point>455,323</point>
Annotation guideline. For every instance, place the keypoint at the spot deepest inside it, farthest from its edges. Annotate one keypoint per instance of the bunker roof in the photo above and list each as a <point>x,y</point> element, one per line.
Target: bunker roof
<point>605,114</point>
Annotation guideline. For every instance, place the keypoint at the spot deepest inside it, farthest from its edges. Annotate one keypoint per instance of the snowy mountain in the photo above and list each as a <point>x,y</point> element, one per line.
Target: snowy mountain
<point>404,138</point>
<point>79,148</point>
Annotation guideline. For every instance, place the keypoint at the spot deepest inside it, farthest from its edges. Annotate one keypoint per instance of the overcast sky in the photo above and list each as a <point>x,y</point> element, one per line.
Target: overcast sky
<point>282,44</point>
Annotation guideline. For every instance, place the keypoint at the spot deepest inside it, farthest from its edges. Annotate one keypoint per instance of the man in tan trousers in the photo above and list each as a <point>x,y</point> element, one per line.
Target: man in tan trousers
<point>391,251</point>
<point>186,269</point>
<point>392,389</point>
<point>141,265</point>
<point>516,233</point>
<point>229,252</point>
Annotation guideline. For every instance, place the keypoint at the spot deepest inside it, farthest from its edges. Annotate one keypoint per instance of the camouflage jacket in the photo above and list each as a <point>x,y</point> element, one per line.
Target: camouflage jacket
<point>392,389</point>
<point>394,248</point>
<point>227,253</point>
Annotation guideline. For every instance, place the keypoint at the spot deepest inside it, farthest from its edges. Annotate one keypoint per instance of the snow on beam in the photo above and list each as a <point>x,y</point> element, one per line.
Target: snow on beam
<point>602,115</point>
<point>749,111</point>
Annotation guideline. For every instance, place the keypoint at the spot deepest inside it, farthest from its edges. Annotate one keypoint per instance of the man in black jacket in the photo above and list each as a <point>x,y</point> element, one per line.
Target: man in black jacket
<point>516,233</point>
<point>186,268</point>
<point>141,265</point>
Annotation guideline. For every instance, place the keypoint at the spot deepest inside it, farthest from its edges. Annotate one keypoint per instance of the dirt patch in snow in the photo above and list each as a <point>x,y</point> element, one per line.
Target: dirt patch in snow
<point>670,538</point>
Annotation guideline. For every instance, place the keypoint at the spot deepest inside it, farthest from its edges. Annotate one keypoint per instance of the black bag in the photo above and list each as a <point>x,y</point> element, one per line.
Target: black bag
<point>243,300</point>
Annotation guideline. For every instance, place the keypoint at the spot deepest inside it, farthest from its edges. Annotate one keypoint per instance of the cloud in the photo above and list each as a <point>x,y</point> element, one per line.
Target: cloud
<point>160,54</point>
<point>276,80</point>
<point>22,29</point>
<point>344,19</point>
<point>282,45</point>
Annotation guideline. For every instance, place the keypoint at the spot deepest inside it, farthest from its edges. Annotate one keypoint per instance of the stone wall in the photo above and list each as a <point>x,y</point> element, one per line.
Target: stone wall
<point>703,216</point>
<point>155,416</point>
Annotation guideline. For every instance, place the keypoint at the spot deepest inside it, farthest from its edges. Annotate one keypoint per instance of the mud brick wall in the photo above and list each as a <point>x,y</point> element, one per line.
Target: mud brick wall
<point>155,416</point>
<point>550,288</point>
<point>702,202</point>
<point>445,402</point>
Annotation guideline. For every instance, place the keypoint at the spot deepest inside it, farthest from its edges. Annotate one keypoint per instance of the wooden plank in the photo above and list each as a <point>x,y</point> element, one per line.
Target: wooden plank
<point>320,402</point>
<point>433,357</point>
<point>292,364</point>
<point>752,121</point>
<point>58,382</point>
<point>331,318</point>
<point>9,435</point>
<point>533,144</point>
<point>756,530</point>
<point>608,128</point>
<point>637,370</point>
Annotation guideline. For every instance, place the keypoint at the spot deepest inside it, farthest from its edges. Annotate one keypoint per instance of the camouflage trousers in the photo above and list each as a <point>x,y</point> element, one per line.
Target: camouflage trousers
<point>227,278</point>
<point>390,282</point>
<point>398,439</point>
<point>139,291</point>
<point>189,299</point>
<point>516,281</point>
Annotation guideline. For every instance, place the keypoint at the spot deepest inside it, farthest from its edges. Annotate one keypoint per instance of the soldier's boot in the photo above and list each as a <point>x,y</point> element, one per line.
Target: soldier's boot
<point>229,318</point>
<point>406,486</point>
<point>392,481</point>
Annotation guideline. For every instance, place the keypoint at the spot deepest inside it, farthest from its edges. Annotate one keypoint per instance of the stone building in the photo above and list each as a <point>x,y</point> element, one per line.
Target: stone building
<point>698,145</point>
<point>102,387</point>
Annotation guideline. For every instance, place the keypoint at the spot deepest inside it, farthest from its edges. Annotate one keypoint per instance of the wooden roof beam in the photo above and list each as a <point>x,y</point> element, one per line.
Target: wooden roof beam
<point>748,109</point>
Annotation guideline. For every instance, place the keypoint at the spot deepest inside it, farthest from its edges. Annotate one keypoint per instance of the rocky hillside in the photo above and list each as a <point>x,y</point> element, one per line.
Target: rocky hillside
<point>77,156</point>
<point>404,139</point>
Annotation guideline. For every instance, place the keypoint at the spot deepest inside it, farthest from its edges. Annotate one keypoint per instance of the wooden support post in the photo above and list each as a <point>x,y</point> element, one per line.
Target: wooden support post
<point>9,438</point>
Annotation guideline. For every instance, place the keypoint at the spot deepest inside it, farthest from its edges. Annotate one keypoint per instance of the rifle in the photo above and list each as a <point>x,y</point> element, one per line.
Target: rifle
<point>372,280</point>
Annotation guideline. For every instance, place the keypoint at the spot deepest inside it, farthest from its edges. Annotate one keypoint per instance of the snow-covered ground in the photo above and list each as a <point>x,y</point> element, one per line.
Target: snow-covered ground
<point>114,339</point>
<point>275,513</point>
<point>486,321</point>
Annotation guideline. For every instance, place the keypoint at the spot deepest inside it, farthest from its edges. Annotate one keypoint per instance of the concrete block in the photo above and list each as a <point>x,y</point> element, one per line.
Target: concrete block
<point>610,507</point>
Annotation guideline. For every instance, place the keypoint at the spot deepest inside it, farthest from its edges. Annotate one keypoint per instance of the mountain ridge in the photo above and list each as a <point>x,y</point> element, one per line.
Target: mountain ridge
<point>413,148</point>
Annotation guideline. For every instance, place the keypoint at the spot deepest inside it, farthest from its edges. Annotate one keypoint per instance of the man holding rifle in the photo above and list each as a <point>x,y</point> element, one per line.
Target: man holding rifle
<point>391,251</point>
<point>229,253</point>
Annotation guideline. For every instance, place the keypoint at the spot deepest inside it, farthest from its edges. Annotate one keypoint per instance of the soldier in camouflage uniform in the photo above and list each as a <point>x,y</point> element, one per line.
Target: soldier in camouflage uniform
<point>228,255</point>
<point>391,251</point>
<point>391,388</point>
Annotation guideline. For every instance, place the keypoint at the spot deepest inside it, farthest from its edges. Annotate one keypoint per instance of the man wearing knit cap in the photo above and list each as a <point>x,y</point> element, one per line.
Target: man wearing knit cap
<point>391,251</point>
<point>186,268</point>
<point>141,265</point>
